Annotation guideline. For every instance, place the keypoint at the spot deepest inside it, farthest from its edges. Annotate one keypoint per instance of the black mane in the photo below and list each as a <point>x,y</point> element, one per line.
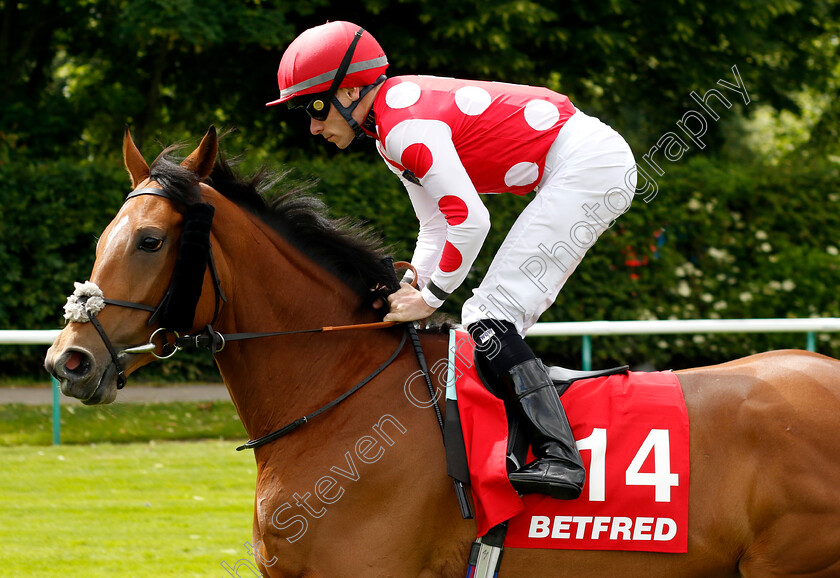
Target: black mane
<point>342,246</point>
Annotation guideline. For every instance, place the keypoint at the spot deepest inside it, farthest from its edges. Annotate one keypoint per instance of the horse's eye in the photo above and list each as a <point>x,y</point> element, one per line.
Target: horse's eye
<point>151,244</point>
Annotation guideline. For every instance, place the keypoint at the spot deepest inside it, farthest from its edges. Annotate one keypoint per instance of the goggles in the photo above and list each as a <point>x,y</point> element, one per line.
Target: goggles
<point>316,106</point>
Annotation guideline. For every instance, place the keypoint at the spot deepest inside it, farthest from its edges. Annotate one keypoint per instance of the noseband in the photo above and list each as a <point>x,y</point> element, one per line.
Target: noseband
<point>176,309</point>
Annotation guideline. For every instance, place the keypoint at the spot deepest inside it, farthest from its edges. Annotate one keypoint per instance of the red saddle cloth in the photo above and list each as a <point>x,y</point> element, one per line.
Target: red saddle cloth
<point>632,433</point>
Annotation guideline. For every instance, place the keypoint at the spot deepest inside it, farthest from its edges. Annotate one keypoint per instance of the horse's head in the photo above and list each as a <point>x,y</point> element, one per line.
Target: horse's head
<point>130,294</point>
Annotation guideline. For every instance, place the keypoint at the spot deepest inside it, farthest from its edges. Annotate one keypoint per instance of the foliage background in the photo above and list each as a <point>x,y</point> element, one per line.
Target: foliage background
<point>744,227</point>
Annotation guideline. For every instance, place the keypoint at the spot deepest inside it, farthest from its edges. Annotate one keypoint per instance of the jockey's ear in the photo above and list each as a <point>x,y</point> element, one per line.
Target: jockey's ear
<point>136,165</point>
<point>353,93</point>
<point>202,159</point>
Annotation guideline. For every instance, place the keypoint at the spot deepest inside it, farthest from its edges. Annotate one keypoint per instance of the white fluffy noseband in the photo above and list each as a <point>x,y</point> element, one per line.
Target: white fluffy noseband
<point>87,300</point>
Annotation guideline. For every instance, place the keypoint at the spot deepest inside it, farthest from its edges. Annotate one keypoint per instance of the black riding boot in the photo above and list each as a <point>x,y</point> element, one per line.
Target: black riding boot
<point>558,470</point>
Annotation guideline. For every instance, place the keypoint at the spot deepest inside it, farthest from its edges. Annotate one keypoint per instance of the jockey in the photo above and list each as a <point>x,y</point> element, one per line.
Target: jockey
<point>449,141</point>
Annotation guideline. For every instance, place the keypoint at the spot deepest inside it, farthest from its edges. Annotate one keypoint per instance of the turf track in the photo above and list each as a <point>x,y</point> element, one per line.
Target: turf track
<point>154,509</point>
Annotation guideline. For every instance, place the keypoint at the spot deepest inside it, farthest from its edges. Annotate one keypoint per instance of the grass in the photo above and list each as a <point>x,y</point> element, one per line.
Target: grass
<point>154,509</point>
<point>120,423</point>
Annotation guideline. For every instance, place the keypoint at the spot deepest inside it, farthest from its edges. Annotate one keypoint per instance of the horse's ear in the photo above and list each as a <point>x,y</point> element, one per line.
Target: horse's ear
<point>134,161</point>
<point>203,158</point>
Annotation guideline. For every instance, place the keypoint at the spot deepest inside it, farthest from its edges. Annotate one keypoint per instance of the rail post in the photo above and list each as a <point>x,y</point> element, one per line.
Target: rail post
<point>586,353</point>
<point>56,413</point>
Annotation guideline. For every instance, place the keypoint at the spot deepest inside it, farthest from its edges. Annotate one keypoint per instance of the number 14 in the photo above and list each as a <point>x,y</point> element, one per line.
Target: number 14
<point>662,479</point>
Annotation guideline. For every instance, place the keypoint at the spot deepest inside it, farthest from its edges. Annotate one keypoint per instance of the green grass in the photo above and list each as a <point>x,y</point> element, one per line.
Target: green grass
<point>156,509</point>
<point>120,423</point>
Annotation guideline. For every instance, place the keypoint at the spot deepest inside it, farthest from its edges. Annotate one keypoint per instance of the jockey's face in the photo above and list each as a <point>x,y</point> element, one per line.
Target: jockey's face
<point>334,128</point>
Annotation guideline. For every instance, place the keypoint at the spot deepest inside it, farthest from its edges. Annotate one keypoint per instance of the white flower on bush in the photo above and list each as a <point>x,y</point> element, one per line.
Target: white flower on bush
<point>687,269</point>
<point>720,305</point>
<point>745,296</point>
<point>832,250</point>
<point>788,285</point>
<point>647,314</point>
<point>683,289</point>
<point>766,247</point>
<point>760,235</point>
<point>695,204</point>
<point>719,254</point>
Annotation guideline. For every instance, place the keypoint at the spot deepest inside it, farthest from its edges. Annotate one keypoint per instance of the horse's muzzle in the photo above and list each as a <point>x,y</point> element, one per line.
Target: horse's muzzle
<point>79,376</point>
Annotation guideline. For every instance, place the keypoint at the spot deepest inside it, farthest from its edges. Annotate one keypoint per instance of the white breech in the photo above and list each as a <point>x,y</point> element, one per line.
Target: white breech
<point>589,180</point>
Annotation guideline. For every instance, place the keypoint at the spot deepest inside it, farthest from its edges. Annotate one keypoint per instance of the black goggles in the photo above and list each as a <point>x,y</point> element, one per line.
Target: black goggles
<point>317,106</point>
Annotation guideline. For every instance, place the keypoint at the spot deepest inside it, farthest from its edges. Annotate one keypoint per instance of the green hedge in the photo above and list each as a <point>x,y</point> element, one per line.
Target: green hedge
<point>720,240</point>
<point>52,214</point>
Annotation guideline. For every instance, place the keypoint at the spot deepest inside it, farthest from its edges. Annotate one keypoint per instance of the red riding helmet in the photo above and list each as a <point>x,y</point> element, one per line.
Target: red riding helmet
<point>311,61</point>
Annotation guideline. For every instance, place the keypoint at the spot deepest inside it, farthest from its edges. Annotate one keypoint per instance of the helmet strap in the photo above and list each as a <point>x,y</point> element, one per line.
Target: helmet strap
<point>347,111</point>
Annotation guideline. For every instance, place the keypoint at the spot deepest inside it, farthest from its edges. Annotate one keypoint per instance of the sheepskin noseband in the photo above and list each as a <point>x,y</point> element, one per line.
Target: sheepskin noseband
<point>86,301</point>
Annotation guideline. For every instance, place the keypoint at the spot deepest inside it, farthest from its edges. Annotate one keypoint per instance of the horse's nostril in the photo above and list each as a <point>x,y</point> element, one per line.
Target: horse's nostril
<point>74,361</point>
<point>77,363</point>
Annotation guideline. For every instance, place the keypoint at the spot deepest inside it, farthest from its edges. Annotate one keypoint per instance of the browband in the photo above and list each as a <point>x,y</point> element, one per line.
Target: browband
<point>148,191</point>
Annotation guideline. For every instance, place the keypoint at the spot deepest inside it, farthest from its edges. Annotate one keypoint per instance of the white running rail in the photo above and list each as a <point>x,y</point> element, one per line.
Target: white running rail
<point>584,329</point>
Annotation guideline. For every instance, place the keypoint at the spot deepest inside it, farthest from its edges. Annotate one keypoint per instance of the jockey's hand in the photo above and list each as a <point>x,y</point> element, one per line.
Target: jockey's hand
<point>407,304</point>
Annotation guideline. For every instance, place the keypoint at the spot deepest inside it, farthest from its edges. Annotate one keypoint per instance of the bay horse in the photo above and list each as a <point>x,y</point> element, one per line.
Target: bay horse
<point>362,490</point>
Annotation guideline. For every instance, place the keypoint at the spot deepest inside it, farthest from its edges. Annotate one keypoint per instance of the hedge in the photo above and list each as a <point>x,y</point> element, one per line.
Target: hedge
<point>719,240</point>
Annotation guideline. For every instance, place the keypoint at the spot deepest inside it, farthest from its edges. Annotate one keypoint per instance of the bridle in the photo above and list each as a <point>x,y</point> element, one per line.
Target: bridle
<point>208,338</point>
<point>214,341</point>
<point>83,295</point>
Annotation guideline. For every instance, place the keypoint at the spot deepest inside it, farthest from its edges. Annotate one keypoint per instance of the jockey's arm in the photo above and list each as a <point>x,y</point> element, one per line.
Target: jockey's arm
<point>430,237</point>
<point>448,191</point>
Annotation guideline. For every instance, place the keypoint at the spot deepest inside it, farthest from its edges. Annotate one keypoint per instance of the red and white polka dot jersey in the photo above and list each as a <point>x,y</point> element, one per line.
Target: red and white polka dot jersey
<point>458,138</point>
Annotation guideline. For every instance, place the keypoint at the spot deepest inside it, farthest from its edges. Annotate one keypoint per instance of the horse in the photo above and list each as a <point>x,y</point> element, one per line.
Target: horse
<point>362,489</point>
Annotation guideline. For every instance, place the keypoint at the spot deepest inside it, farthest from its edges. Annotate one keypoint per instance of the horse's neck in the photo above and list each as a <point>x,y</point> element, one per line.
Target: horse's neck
<point>382,451</point>
<point>271,286</point>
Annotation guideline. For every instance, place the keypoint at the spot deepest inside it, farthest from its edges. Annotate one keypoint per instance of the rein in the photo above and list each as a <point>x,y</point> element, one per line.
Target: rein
<point>215,341</point>
<point>289,428</point>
